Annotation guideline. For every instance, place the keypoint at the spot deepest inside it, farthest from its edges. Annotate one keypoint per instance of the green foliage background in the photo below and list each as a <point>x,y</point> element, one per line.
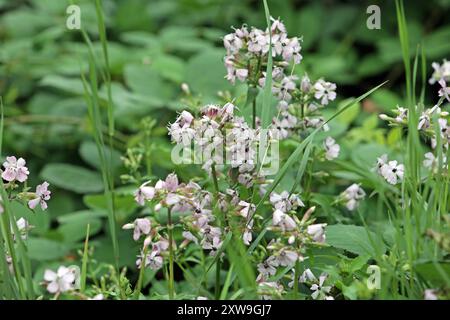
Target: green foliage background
<point>154,47</point>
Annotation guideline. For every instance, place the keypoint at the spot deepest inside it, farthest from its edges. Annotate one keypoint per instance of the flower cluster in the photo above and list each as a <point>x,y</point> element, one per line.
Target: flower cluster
<point>220,138</point>
<point>247,51</point>
<point>15,171</point>
<point>431,121</point>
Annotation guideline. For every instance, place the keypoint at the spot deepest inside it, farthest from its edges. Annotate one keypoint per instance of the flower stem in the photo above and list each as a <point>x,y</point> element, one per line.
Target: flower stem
<point>296,279</point>
<point>138,288</point>
<point>216,183</point>
<point>217,291</point>
<point>254,112</point>
<point>171,278</point>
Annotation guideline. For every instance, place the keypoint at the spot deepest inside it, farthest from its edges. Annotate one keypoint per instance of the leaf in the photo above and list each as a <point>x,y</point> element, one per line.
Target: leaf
<point>434,272</point>
<point>354,239</point>
<point>72,178</point>
<point>88,152</point>
<point>45,249</point>
<point>80,216</point>
<point>69,85</point>
<point>147,82</point>
<point>76,231</point>
<point>205,72</point>
<point>123,204</point>
<point>170,67</point>
<point>351,114</point>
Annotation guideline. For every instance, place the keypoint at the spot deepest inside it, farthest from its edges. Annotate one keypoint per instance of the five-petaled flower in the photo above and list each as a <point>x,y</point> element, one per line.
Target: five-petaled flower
<point>62,280</point>
<point>42,195</point>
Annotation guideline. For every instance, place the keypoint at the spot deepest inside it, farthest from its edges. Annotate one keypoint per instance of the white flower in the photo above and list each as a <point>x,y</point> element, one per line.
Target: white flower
<point>23,227</point>
<point>324,91</point>
<point>189,236</point>
<point>291,50</point>
<point>246,209</point>
<point>232,42</point>
<point>319,290</point>
<point>430,294</point>
<point>269,289</point>
<point>285,202</point>
<point>402,114</point>
<point>331,148</point>
<point>140,226</point>
<point>307,276</point>
<point>440,71</point>
<point>424,121</point>
<point>393,172</point>
<point>286,257</point>
<point>269,266</point>
<point>144,193</point>
<point>431,162</point>
<point>42,195</point>
<point>247,236</point>
<point>353,195</point>
<point>152,260</point>
<point>390,170</point>
<point>61,281</point>
<point>282,220</point>
<point>317,231</point>
<point>444,91</point>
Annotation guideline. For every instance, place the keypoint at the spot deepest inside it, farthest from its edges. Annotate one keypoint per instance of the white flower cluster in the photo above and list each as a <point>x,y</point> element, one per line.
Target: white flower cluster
<point>247,50</point>
<point>221,138</point>
<point>427,126</point>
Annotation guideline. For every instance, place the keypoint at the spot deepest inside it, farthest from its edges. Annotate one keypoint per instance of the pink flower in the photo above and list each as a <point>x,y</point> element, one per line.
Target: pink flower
<point>171,182</point>
<point>15,169</point>
<point>42,195</point>
<point>144,193</point>
<point>140,226</point>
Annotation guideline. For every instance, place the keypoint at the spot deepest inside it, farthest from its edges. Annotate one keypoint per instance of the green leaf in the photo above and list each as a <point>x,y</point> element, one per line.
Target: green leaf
<point>72,178</point>
<point>354,239</point>
<point>170,67</point>
<point>45,249</point>
<point>88,152</point>
<point>76,231</point>
<point>205,73</point>
<point>434,272</point>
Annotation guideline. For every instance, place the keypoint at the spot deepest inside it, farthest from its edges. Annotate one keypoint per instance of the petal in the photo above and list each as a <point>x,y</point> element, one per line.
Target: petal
<point>53,287</point>
<point>49,275</point>
<point>33,203</point>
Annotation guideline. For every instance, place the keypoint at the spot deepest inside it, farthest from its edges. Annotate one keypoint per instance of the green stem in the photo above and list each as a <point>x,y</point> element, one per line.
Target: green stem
<point>254,112</point>
<point>296,276</point>
<point>171,278</point>
<point>138,288</point>
<point>217,292</point>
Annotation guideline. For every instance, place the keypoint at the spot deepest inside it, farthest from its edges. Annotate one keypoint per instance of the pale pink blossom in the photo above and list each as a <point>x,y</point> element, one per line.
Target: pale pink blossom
<point>15,169</point>
<point>61,281</point>
<point>144,193</point>
<point>42,195</point>
<point>140,226</point>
